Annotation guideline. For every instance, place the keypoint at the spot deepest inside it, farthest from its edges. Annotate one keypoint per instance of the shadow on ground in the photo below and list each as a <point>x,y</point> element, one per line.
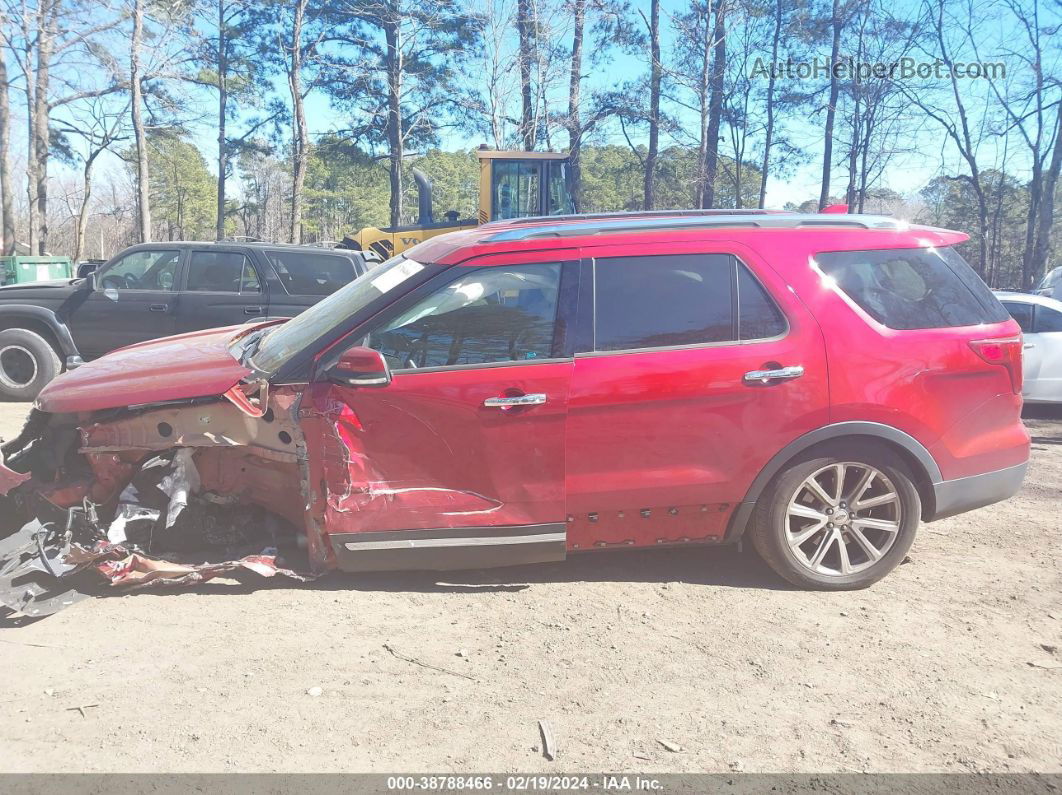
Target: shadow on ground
<point>724,567</point>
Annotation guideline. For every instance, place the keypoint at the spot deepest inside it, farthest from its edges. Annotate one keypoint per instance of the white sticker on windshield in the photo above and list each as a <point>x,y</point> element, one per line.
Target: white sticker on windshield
<point>395,276</point>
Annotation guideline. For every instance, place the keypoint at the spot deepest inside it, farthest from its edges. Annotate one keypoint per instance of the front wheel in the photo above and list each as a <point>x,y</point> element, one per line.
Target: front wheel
<point>838,520</point>
<point>27,363</point>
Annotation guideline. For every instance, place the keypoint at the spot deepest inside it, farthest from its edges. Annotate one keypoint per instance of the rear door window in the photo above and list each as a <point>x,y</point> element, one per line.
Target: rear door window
<point>310,272</point>
<point>685,299</point>
<point>221,272</point>
<point>913,288</point>
<point>1021,312</point>
<point>1047,320</point>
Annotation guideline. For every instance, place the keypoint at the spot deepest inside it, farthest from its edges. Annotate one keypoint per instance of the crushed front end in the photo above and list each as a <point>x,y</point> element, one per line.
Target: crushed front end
<point>173,493</point>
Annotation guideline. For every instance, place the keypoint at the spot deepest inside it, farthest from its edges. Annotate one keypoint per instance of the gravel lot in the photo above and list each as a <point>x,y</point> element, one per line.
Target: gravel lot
<point>952,663</point>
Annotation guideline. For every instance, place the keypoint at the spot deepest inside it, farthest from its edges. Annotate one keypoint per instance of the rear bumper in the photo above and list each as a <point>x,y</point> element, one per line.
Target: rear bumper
<point>957,496</point>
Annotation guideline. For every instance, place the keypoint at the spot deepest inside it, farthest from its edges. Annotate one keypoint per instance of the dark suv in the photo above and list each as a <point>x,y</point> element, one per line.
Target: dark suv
<point>155,290</point>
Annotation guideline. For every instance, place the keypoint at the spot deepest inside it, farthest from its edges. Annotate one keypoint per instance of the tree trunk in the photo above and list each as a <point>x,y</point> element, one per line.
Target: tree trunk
<point>7,204</point>
<point>715,105</point>
<point>768,135</point>
<point>223,101</point>
<point>143,201</point>
<point>831,110</point>
<point>704,88</point>
<point>525,35</point>
<point>655,76</point>
<point>83,211</point>
<point>300,142</point>
<point>1042,245</point>
<point>392,34</point>
<point>29,63</point>
<point>41,114</point>
<point>575,130</point>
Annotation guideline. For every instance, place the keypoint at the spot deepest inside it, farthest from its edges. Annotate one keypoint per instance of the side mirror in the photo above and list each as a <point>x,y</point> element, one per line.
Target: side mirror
<point>360,366</point>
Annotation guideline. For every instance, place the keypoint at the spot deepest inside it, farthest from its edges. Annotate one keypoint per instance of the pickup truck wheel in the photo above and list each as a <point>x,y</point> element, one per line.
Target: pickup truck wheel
<point>27,363</point>
<point>839,520</point>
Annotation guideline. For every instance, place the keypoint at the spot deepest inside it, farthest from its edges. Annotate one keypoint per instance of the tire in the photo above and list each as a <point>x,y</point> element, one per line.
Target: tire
<point>27,363</point>
<point>791,509</point>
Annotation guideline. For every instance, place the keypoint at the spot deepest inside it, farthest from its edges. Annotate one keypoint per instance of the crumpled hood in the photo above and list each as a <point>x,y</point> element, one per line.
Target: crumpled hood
<point>192,365</point>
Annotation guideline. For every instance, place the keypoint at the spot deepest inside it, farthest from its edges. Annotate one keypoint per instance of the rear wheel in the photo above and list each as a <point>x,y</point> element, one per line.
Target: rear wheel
<point>839,520</point>
<point>27,363</point>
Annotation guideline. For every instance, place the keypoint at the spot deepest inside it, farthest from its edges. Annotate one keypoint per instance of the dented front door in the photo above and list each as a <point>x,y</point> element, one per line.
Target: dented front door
<point>459,461</point>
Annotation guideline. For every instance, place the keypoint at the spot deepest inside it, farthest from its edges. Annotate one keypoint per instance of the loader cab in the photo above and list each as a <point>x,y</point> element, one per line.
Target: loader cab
<point>523,185</point>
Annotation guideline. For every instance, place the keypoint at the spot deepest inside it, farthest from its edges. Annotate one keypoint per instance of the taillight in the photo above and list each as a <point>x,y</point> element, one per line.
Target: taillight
<point>1004,352</point>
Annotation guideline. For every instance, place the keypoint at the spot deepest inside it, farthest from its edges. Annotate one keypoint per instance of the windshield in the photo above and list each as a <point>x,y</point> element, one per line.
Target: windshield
<point>281,343</point>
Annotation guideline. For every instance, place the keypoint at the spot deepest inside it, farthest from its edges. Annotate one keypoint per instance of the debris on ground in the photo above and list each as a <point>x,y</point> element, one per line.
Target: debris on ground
<point>161,532</point>
<point>548,748</point>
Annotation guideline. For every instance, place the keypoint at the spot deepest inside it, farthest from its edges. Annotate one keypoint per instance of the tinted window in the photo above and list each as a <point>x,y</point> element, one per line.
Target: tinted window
<point>142,270</point>
<point>758,317</point>
<point>652,302</point>
<point>1023,313</point>
<point>913,288</point>
<point>487,315</point>
<point>1047,320</point>
<point>221,272</point>
<point>310,273</point>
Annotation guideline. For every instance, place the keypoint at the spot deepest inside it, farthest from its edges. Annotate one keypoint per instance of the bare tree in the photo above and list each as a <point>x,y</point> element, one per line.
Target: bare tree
<point>143,204</point>
<point>656,73</point>
<point>300,137</point>
<point>715,105</point>
<point>1027,105</point>
<point>7,210</point>
<point>99,127</point>
<point>836,25</point>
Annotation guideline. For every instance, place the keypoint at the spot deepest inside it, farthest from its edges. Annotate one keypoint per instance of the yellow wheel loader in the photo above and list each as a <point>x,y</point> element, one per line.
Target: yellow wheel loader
<point>511,185</point>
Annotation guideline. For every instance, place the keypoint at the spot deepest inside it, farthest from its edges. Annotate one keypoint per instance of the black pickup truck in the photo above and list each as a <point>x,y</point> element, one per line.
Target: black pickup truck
<point>155,290</point>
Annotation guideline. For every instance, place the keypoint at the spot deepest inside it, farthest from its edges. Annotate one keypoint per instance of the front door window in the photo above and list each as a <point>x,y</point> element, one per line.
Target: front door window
<point>487,315</point>
<point>142,270</point>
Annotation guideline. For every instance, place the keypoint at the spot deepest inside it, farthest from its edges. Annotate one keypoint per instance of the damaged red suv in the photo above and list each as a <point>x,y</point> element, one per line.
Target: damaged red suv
<point>526,389</point>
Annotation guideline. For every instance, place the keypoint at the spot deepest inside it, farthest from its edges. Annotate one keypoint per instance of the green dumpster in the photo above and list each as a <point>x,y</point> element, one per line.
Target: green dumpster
<point>19,270</point>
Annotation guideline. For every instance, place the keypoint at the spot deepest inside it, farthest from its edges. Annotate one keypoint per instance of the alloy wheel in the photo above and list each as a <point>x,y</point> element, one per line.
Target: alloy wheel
<point>843,519</point>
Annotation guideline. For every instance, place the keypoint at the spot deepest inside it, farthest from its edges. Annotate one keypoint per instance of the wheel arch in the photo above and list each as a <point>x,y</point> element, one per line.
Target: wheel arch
<point>42,321</point>
<point>923,467</point>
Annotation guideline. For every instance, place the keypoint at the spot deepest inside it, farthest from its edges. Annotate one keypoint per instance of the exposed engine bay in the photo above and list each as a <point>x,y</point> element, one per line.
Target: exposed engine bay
<point>152,496</point>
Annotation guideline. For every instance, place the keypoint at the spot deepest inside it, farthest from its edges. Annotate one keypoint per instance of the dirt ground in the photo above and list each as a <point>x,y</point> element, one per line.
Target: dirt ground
<point>952,663</point>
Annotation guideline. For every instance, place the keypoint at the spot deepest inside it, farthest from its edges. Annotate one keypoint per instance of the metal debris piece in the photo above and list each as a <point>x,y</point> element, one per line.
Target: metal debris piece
<point>548,748</point>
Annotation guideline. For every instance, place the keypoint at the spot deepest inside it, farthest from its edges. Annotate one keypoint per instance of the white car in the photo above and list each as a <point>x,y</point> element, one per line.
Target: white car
<point>1051,285</point>
<point>1040,319</point>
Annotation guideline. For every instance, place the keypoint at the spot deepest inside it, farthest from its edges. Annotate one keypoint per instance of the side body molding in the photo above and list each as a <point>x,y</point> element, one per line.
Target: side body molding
<point>740,518</point>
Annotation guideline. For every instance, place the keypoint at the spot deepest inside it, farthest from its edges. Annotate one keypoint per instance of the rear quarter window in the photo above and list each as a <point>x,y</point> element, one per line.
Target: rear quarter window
<point>908,289</point>
<point>312,273</point>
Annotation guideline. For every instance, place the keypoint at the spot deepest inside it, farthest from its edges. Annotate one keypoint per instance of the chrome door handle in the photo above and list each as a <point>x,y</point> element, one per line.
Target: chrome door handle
<point>518,400</point>
<point>1028,345</point>
<point>766,376</point>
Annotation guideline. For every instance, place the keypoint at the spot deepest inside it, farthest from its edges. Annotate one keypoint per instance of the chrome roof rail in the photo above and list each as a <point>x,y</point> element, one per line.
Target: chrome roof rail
<point>636,222</point>
<point>605,216</point>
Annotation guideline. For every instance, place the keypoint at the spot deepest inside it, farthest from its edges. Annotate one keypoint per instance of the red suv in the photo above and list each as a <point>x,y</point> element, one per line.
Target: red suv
<point>526,389</point>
